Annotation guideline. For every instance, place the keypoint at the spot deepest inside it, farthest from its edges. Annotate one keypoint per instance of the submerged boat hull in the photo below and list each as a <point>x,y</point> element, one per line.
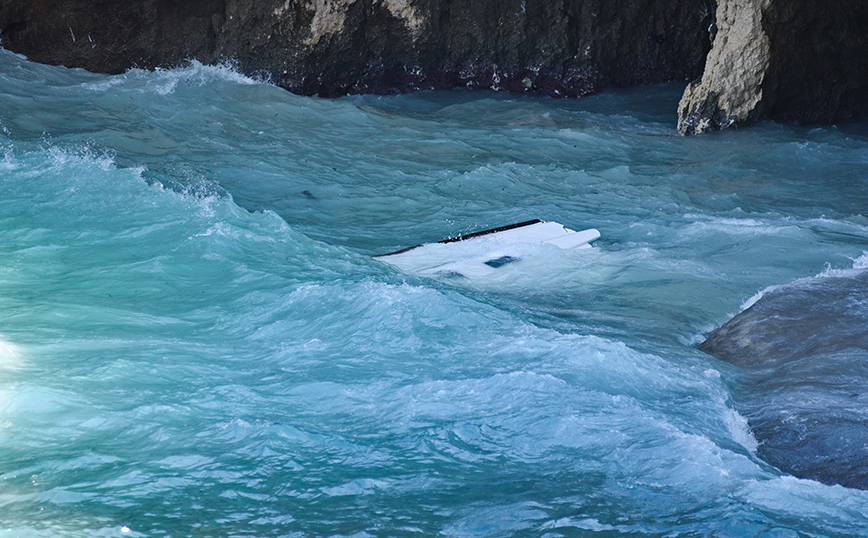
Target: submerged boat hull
<point>488,250</point>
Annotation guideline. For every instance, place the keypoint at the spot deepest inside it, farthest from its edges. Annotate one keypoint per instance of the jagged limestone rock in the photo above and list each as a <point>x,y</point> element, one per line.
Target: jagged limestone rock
<point>793,60</point>
<point>731,88</point>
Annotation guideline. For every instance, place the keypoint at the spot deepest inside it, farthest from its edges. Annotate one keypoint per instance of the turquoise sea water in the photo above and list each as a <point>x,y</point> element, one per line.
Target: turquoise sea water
<point>196,341</point>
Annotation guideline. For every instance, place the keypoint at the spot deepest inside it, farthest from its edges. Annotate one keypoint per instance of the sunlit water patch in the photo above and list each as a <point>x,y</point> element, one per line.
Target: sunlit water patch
<point>195,339</point>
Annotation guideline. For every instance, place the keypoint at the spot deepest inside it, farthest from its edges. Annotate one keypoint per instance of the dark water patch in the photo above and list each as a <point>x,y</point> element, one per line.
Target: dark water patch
<point>804,348</point>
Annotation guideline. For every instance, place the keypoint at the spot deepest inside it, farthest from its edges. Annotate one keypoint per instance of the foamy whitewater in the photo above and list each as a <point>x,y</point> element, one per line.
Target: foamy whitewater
<point>196,341</point>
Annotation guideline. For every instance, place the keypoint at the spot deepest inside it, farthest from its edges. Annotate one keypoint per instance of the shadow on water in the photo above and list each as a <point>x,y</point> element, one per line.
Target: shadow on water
<point>804,351</point>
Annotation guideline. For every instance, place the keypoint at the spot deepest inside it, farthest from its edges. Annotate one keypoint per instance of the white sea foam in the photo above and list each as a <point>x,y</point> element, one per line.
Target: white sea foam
<point>740,430</point>
<point>751,226</point>
<point>165,81</point>
<point>104,85</point>
<point>8,163</point>
<point>752,300</point>
<point>860,265</point>
<point>10,356</point>
<point>82,155</point>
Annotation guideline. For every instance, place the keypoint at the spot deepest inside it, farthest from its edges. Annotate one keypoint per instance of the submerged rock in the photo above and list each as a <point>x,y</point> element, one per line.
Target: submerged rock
<point>783,59</point>
<point>804,351</point>
<point>335,47</point>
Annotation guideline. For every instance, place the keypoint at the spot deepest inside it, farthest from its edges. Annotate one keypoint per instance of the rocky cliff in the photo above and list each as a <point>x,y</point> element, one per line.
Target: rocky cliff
<point>792,60</point>
<point>787,59</point>
<point>334,47</point>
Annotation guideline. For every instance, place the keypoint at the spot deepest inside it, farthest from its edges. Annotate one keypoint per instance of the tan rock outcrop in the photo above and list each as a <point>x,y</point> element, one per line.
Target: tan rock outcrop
<point>792,60</point>
<point>731,87</point>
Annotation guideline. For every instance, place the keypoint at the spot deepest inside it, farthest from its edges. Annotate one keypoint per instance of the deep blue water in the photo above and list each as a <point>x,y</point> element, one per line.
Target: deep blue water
<point>196,341</point>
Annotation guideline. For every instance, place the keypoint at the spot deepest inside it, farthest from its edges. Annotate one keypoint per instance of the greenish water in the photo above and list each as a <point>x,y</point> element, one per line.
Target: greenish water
<point>195,340</point>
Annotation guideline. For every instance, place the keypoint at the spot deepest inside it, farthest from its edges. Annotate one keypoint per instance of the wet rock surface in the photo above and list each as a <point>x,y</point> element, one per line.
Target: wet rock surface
<point>336,47</point>
<point>803,349</point>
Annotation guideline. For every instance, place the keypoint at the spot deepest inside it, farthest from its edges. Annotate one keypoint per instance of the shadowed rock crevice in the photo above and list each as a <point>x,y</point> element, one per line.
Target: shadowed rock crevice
<point>818,70</point>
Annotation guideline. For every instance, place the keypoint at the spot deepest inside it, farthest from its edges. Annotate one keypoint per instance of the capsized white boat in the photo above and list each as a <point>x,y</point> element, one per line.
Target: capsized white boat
<point>482,252</point>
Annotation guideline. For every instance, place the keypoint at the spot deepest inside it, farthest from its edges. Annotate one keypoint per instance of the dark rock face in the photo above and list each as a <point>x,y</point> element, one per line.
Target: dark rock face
<point>818,70</point>
<point>782,59</point>
<point>786,59</point>
<point>335,47</point>
<point>804,352</point>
